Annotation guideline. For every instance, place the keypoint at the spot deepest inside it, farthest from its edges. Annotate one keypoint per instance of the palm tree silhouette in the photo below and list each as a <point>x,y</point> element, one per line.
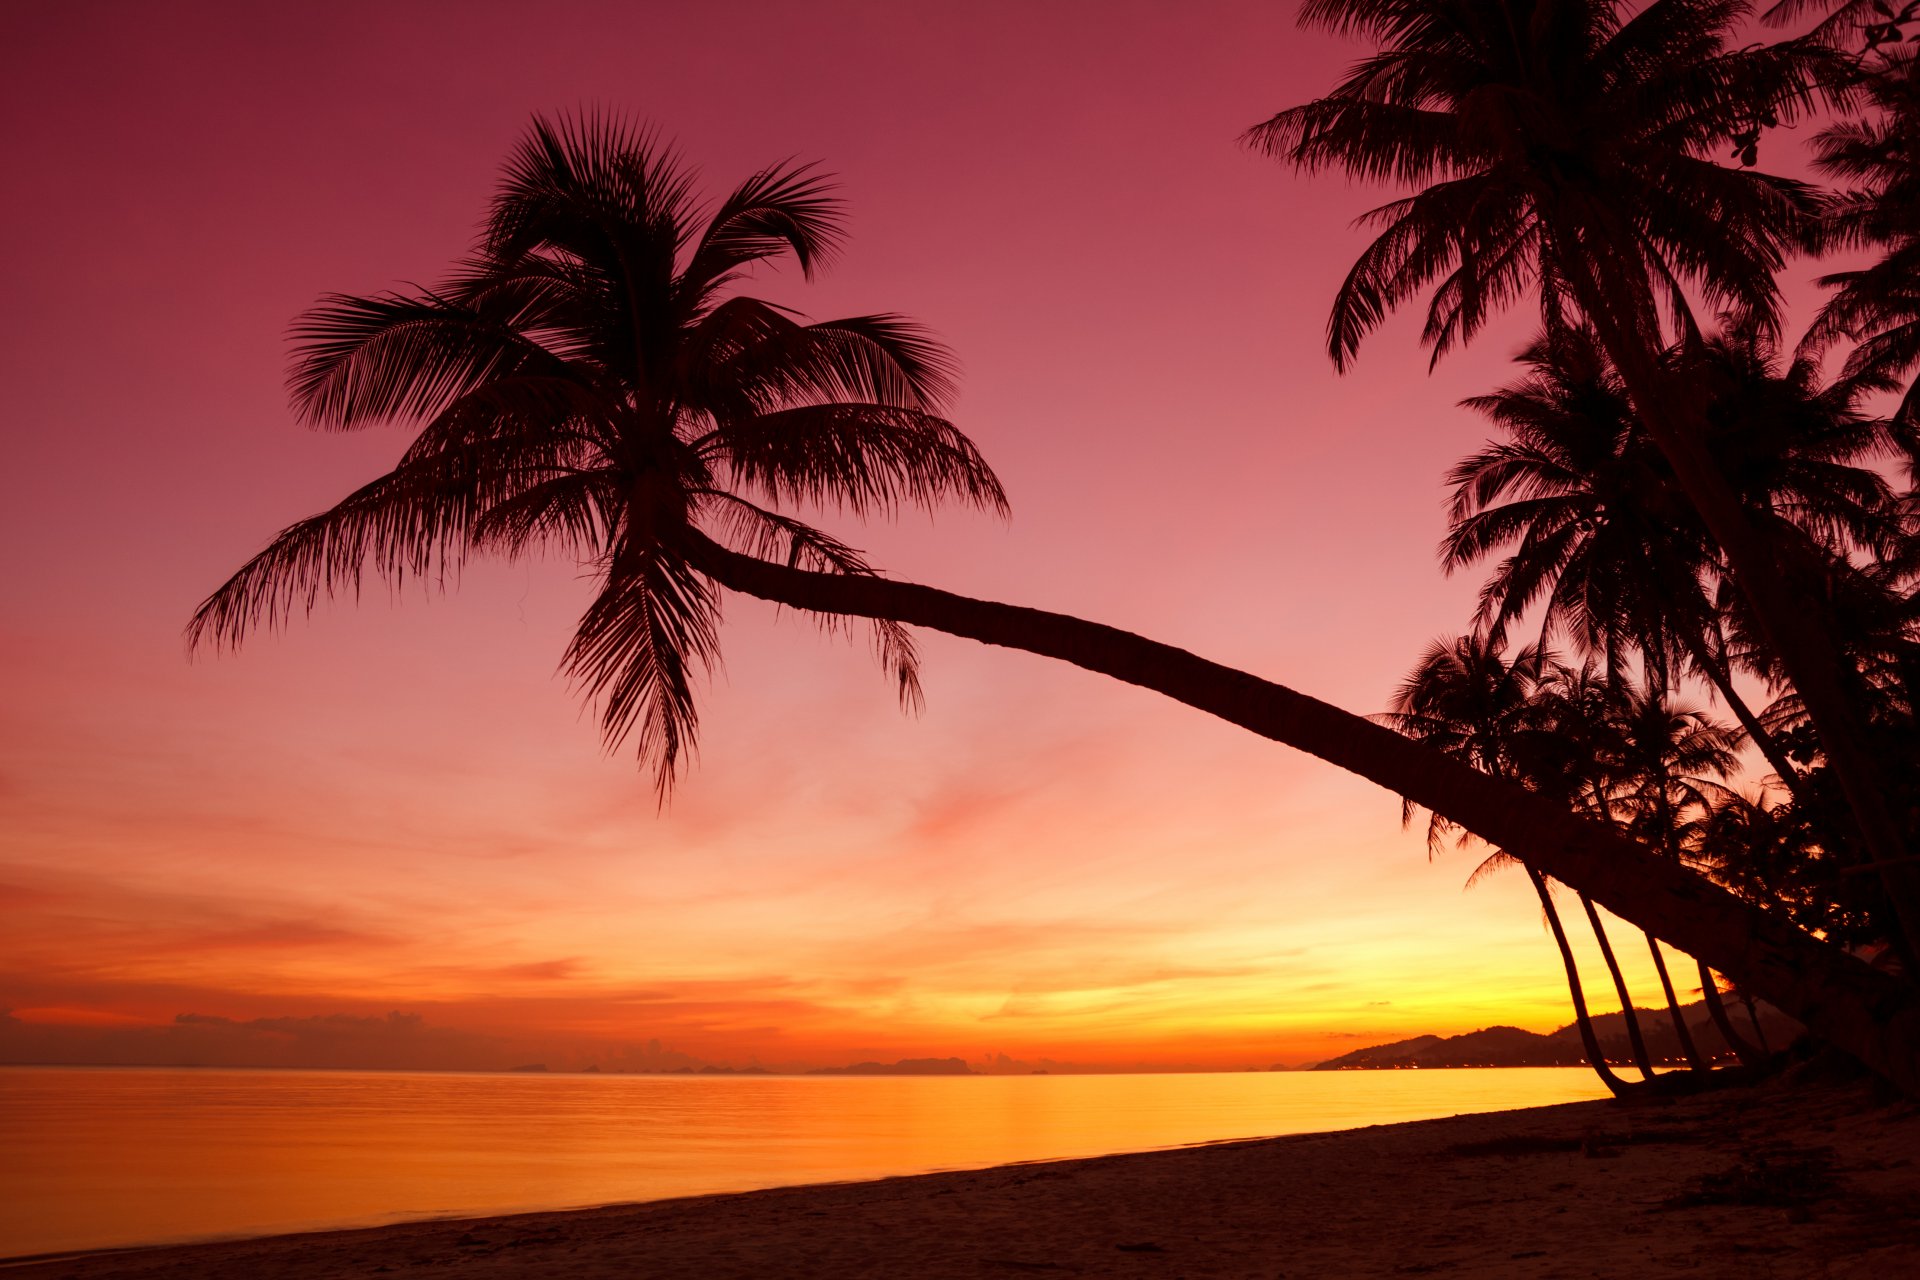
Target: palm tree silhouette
<point>1563,147</point>
<point>1573,762</point>
<point>1669,769</point>
<point>1593,527</point>
<point>589,377</point>
<point>587,380</point>
<point>1465,697</point>
<point>1596,530</point>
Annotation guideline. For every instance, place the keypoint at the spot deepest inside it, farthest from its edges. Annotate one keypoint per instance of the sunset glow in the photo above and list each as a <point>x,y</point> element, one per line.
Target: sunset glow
<point>389,837</point>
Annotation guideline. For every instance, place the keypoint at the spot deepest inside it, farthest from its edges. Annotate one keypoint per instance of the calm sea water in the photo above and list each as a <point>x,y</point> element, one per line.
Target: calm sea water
<point>92,1158</point>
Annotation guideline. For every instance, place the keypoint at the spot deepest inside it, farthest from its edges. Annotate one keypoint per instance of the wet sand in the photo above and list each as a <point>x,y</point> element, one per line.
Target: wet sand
<point>1769,1182</point>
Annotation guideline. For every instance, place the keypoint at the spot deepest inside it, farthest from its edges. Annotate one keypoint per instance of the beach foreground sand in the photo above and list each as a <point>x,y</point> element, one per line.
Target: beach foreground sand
<point>1769,1182</point>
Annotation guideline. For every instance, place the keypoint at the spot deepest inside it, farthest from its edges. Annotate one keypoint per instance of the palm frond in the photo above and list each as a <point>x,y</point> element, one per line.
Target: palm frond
<point>412,523</point>
<point>363,360</point>
<point>652,627</point>
<point>864,458</point>
<point>786,208</point>
<point>767,535</point>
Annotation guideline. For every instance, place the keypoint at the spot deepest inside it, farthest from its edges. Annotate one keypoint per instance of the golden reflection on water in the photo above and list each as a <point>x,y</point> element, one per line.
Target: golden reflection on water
<point>91,1158</point>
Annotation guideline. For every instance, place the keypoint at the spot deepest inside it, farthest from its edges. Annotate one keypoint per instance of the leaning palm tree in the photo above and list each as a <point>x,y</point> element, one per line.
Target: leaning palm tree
<point>589,379</point>
<point>1565,148</point>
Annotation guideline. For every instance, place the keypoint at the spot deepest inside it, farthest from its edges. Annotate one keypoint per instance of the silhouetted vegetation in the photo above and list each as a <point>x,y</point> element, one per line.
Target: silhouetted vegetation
<point>1681,508</point>
<point>1685,511</point>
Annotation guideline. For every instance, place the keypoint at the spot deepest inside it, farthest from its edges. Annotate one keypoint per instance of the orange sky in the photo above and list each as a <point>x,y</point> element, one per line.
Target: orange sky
<point>399,807</point>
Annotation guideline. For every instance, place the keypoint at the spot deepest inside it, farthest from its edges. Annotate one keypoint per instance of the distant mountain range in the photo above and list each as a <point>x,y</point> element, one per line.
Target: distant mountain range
<point>1512,1047</point>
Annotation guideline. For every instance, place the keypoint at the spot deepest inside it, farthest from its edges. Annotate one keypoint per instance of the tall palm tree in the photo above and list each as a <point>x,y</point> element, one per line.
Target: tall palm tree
<point>1465,697</point>
<point>1564,147</point>
<point>587,380</point>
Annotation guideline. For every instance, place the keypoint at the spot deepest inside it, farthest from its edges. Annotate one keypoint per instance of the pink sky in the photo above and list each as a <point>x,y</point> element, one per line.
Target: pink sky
<point>401,807</point>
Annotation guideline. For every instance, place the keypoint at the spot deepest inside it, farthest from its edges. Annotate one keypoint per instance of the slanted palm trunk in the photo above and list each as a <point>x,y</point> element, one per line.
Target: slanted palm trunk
<point>1688,1049</point>
<point>1596,1057</point>
<point>1622,310</point>
<point>1641,1059</point>
<point>1717,1010</point>
<point>1869,1014</point>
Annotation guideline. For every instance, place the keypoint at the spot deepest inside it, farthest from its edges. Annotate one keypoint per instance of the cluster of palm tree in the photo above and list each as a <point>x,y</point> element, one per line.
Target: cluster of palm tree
<point>592,378</point>
<point>1587,531</point>
<point>1665,561</point>
<point>1611,750</point>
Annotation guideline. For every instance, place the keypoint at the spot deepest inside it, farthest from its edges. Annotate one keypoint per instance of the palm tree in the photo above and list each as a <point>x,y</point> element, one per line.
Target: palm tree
<point>1631,757</point>
<point>588,377</point>
<point>1465,698</point>
<point>1561,146</point>
<point>587,380</point>
<point>1667,772</point>
<point>1572,762</point>
<point>1594,528</point>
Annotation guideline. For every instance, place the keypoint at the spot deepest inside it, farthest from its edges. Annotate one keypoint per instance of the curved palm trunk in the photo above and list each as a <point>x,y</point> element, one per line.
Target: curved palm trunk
<point>1641,1059</point>
<point>1688,1050</point>
<point>1717,1010</point>
<point>1623,314</point>
<point>1588,1039</point>
<point>1865,1012</point>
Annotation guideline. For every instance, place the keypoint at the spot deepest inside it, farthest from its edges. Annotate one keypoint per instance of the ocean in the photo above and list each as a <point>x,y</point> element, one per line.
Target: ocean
<point>95,1158</point>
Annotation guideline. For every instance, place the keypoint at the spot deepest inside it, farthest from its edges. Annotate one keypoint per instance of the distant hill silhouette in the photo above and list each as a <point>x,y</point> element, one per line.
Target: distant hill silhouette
<point>1512,1047</point>
<point>904,1067</point>
<point>1489,1047</point>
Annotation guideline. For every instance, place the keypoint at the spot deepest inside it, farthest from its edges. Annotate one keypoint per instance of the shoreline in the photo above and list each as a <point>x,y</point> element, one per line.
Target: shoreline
<point>1771,1181</point>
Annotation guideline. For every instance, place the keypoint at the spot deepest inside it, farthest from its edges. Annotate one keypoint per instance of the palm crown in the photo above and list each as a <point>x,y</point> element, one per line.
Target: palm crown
<point>1558,144</point>
<point>1596,524</point>
<point>590,378</point>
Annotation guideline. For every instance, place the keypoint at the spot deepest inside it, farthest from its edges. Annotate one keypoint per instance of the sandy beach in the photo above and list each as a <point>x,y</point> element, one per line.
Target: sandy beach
<point>1770,1182</point>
